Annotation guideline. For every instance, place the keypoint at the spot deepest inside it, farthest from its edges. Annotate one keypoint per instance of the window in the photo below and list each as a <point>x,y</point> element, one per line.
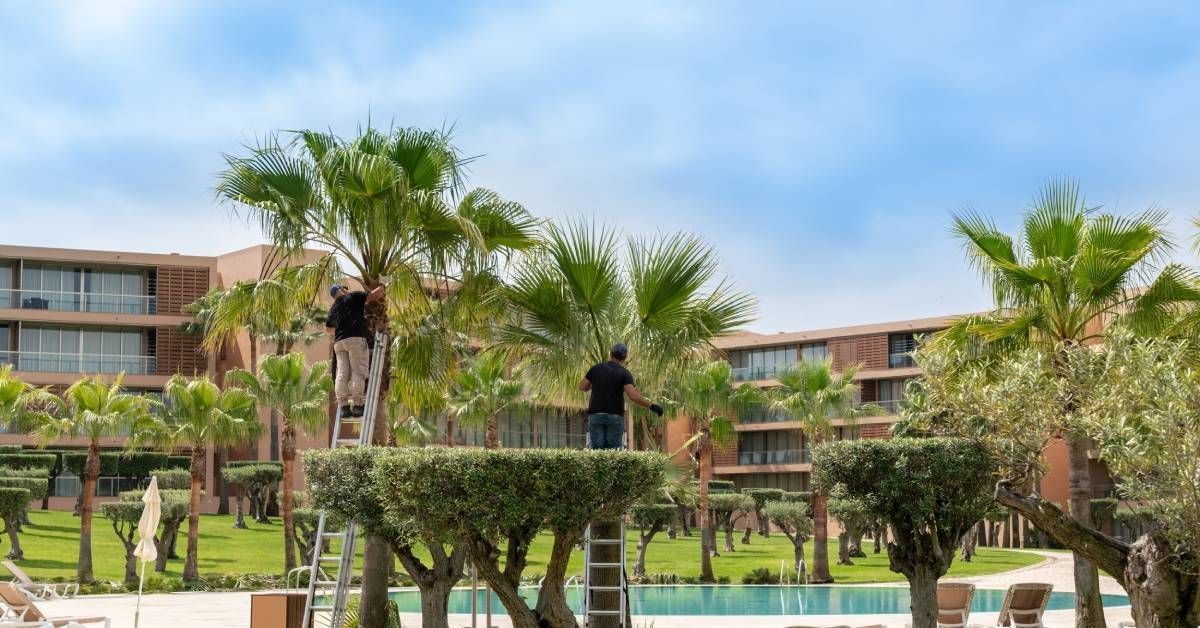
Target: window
<point>71,350</point>
<point>761,363</point>
<point>813,351</point>
<point>771,447</point>
<point>68,288</point>
<point>6,294</point>
<point>4,344</point>
<point>900,348</point>
<point>890,393</point>
<point>792,482</point>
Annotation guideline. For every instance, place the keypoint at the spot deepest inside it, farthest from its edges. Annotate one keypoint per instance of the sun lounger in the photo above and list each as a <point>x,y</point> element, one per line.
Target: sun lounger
<point>44,591</point>
<point>954,604</point>
<point>19,606</point>
<point>1024,605</point>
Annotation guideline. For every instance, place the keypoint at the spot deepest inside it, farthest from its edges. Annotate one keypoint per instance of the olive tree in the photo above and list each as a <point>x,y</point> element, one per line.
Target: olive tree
<point>854,522</point>
<point>13,502</point>
<point>795,521</point>
<point>761,496</point>
<point>343,483</point>
<point>929,490</point>
<point>727,509</point>
<point>498,500</point>
<point>650,520</point>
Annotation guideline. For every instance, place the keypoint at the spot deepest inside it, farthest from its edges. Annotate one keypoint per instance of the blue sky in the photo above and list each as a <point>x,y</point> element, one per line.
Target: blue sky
<point>820,147</point>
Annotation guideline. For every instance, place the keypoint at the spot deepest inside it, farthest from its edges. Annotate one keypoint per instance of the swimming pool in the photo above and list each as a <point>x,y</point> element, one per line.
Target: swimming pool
<point>752,600</point>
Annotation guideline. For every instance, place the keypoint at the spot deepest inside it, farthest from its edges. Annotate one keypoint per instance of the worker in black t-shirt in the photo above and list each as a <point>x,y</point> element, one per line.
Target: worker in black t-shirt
<point>347,323</point>
<point>610,382</point>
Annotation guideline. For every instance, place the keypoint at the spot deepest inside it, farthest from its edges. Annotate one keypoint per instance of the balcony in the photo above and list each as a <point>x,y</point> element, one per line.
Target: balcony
<point>889,406</point>
<point>78,302</point>
<point>752,373</point>
<point>83,363</point>
<point>783,456</point>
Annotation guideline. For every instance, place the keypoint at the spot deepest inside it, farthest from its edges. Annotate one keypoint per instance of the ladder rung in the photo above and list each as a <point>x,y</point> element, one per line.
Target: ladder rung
<point>607,541</point>
<point>347,441</point>
<point>332,535</point>
<point>329,559</point>
<point>322,608</point>
<point>596,587</point>
<point>606,564</point>
<point>593,611</point>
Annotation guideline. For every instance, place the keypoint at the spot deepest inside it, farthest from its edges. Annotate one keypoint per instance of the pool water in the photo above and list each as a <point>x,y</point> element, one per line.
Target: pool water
<point>752,600</point>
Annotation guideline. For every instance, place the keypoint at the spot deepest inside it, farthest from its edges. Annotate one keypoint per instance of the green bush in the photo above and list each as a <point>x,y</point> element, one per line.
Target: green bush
<point>720,486</point>
<point>11,449</point>
<point>179,462</point>
<point>651,515</point>
<point>730,502</point>
<point>13,501</point>
<point>761,575</point>
<point>173,478</point>
<point>138,464</point>
<point>37,488</point>
<point>804,497</point>
<point>29,461</point>
<point>253,463</point>
<point>74,461</point>
<point>763,495</point>
<point>792,517</point>
<point>36,472</point>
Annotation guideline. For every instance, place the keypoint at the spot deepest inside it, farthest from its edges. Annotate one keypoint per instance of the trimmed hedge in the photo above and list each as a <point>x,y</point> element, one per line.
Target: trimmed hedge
<point>74,461</point>
<point>29,461</point>
<point>37,472</point>
<point>173,478</point>
<point>763,495</point>
<point>803,497</point>
<point>178,462</point>
<point>254,463</point>
<point>13,501</point>
<point>11,449</point>
<point>720,486</point>
<point>730,502</point>
<point>139,464</point>
<point>38,488</point>
<point>792,517</point>
<point>650,515</point>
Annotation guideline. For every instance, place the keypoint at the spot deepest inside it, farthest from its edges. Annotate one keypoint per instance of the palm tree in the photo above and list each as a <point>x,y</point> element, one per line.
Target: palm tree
<point>812,393</point>
<point>584,289</point>
<point>392,205</point>
<point>300,395</point>
<point>90,409</point>
<point>1069,273</point>
<point>708,396</point>
<point>480,393</point>
<point>197,414</point>
<point>14,395</point>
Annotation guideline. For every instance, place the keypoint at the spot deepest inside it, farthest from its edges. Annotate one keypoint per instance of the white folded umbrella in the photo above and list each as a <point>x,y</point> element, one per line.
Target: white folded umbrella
<point>146,551</point>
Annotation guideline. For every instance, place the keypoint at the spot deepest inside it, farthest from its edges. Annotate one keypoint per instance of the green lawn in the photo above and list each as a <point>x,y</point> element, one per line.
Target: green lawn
<point>51,549</point>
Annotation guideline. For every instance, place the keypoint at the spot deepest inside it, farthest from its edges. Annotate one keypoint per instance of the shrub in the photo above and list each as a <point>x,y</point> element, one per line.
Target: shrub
<point>931,491</point>
<point>13,501</point>
<point>720,486</point>
<point>1103,510</point>
<point>37,488</point>
<point>11,449</point>
<point>74,462</point>
<point>172,478</point>
<point>761,575</point>
<point>29,461</point>
<point>761,496</point>
<point>804,497</point>
<point>36,472</point>
<point>178,462</point>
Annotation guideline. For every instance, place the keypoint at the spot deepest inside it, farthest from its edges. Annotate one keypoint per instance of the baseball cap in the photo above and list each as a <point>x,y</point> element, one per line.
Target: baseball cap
<point>335,289</point>
<point>620,351</point>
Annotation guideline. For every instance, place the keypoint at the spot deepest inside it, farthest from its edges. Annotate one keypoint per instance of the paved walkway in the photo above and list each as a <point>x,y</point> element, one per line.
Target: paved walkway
<point>232,610</point>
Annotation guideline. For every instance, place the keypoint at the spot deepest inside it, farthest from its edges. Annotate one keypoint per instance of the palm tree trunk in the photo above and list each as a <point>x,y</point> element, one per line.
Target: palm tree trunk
<point>377,552</point>
<point>449,431</point>
<point>91,471</point>
<point>253,445</point>
<point>820,512</point>
<point>191,569</point>
<point>219,458</point>
<point>288,448</point>
<point>706,568</point>
<point>491,439</point>
<point>1089,610</point>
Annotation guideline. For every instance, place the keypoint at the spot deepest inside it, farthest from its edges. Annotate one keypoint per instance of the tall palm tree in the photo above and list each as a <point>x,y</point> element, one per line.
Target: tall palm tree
<point>586,288</point>
<point>392,205</point>
<point>480,392</point>
<point>1070,272</point>
<point>811,392</point>
<point>93,410</point>
<point>709,398</point>
<point>197,415</point>
<point>14,396</point>
<point>300,395</point>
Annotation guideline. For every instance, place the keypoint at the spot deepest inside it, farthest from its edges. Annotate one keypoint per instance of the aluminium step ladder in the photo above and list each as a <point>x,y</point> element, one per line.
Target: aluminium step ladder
<point>590,565</point>
<point>335,593</point>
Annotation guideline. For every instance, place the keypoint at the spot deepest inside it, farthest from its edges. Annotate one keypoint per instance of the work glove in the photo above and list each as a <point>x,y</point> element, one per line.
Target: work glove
<point>656,409</point>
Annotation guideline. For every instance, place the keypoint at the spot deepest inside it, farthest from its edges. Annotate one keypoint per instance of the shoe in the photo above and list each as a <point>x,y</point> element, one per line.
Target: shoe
<point>357,411</point>
<point>345,411</point>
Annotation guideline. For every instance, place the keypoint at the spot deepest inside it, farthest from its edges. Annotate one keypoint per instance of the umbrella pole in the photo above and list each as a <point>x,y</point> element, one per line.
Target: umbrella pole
<point>138,610</point>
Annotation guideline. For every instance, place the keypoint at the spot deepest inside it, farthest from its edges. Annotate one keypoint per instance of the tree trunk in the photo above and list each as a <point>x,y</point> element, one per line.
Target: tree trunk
<point>552,605</point>
<point>91,471</point>
<point>377,559</point>
<point>219,458</point>
<point>287,511</point>
<point>191,570</point>
<point>536,429</point>
<point>706,568</point>
<point>728,537</point>
<point>746,533</point>
<point>1089,610</point>
<point>968,544</point>
<point>797,558</point>
<point>14,539</point>
<point>240,522</point>
<point>435,583</point>
<point>491,438</point>
<point>449,431</point>
<point>253,339</point>
<point>820,567</point>
<point>639,565</point>
<point>844,549</point>
<point>923,589</point>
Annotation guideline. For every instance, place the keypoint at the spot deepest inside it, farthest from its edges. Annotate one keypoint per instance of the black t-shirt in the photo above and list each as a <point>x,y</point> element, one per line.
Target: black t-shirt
<point>348,316</point>
<point>608,388</point>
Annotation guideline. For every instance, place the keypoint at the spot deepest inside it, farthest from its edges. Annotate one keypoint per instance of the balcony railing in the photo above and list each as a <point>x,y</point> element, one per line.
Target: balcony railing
<point>782,456</point>
<point>79,362</point>
<point>900,360</point>
<point>890,406</point>
<point>751,373</point>
<point>78,302</point>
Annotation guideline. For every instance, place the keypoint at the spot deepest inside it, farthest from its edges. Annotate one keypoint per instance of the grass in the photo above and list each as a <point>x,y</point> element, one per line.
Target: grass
<point>51,547</point>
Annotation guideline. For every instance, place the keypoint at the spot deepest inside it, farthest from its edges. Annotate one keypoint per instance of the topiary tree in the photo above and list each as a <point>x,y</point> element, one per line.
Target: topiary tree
<point>175,479</point>
<point>794,520</point>
<point>650,520</point>
<point>239,478</point>
<point>854,521</point>
<point>727,509</point>
<point>472,494</point>
<point>41,493</point>
<point>259,482</point>
<point>38,488</point>
<point>124,516</point>
<point>929,490</point>
<point>761,496</point>
<point>342,482</point>
<point>13,502</point>
<point>803,497</point>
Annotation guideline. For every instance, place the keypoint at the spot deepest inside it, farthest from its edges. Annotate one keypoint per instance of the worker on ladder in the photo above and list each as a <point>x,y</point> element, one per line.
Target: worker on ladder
<point>609,383</point>
<point>347,323</point>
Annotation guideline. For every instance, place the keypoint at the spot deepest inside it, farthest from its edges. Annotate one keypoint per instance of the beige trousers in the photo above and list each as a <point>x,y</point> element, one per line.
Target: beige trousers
<point>352,360</point>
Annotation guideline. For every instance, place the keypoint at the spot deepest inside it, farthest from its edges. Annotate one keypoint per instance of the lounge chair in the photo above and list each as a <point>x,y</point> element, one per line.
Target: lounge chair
<point>954,604</point>
<point>21,607</point>
<point>1024,604</point>
<point>40,590</point>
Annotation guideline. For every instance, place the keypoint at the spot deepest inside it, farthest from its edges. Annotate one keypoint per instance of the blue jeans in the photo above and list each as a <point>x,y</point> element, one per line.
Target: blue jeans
<point>606,431</point>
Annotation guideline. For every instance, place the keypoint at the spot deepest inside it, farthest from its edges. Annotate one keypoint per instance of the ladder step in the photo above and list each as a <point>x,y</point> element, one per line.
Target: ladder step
<point>607,541</point>
<point>329,559</point>
<point>322,608</point>
<point>606,564</point>
<point>332,535</point>
<point>592,611</point>
<point>596,587</point>
<point>348,442</point>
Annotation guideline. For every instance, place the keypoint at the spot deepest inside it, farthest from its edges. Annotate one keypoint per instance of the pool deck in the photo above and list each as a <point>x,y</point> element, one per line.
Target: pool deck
<point>232,609</point>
